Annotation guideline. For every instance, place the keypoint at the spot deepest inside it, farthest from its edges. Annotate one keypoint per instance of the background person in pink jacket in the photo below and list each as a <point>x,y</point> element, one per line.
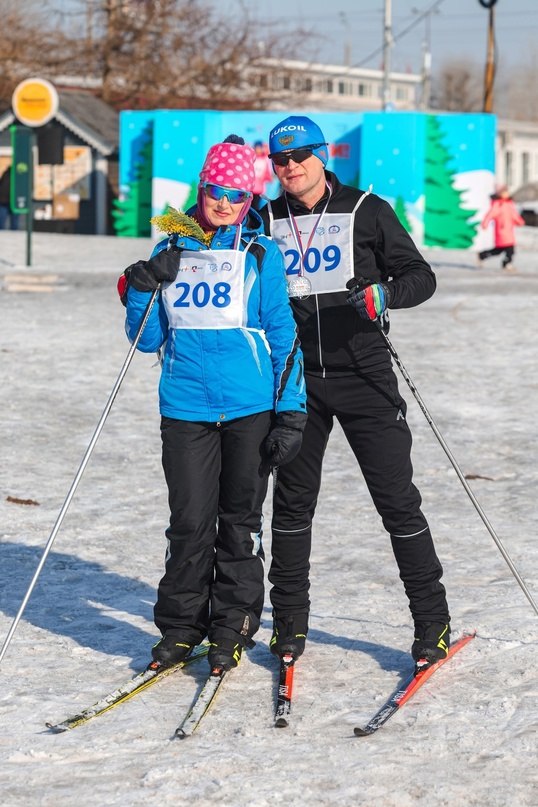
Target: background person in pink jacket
<point>263,174</point>
<point>505,218</point>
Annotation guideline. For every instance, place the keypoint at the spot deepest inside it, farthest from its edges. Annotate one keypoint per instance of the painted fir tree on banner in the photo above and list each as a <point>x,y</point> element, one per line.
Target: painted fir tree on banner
<point>446,221</point>
<point>132,215</point>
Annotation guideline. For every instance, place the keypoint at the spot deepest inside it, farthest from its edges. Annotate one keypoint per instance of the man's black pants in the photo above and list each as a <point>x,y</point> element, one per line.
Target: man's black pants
<point>372,413</point>
<point>217,481</point>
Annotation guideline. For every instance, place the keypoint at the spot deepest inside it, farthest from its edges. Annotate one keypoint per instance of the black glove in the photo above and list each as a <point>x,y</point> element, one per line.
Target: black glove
<point>283,442</point>
<point>147,275</point>
<point>370,302</point>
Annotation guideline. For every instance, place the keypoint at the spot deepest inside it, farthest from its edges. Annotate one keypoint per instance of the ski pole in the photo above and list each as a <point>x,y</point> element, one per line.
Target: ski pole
<point>459,472</point>
<point>80,471</point>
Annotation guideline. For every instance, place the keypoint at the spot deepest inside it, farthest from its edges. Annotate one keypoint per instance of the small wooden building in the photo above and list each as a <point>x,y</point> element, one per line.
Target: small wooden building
<point>74,196</point>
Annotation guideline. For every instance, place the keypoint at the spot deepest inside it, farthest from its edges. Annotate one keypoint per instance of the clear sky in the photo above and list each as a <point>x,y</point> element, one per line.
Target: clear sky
<point>458,28</point>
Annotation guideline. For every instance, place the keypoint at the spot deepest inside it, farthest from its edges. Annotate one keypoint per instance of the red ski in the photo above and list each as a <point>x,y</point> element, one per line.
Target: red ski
<point>402,695</point>
<point>285,687</point>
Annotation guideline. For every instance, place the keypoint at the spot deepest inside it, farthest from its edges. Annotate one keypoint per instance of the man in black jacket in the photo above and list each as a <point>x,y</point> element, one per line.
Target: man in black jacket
<point>330,236</point>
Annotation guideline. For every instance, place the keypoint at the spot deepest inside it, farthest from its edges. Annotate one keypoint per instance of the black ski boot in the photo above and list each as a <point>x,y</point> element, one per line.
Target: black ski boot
<point>170,650</point>
<point>289,635</point>
<point>432,640</point>
<point>224,653</point>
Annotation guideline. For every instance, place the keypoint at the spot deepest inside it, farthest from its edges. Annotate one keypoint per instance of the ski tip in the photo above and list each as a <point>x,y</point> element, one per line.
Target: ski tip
<point>281,723</point>
<point>360,732</point>
<point>180,734</point>
<point>55,729</point>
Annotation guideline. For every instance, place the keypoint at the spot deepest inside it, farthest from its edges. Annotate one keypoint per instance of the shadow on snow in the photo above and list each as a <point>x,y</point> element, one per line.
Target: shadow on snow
<point>80,600</point>
<point>98,609</point>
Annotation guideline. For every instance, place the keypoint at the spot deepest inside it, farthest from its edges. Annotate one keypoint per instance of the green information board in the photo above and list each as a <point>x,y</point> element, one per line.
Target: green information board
<point>21,169</point>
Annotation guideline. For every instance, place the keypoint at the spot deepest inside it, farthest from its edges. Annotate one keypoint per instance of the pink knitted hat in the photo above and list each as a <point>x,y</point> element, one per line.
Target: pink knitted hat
<point>230,165</point>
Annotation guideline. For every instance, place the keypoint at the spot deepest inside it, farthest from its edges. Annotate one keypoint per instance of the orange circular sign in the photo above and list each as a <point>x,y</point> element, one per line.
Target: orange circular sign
<point>35,101</point>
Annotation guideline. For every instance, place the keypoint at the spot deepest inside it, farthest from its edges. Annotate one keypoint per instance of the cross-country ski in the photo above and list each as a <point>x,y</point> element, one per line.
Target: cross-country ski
<point>402,695</point>
<point>151,675</point>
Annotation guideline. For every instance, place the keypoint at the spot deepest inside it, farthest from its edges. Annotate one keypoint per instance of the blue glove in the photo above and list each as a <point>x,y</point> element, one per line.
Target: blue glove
<point>370,302</point>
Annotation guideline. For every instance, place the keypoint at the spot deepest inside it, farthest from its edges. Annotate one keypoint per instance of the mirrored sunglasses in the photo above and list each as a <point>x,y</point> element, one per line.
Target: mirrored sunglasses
<point>282,158</point>
<point>216,192</point>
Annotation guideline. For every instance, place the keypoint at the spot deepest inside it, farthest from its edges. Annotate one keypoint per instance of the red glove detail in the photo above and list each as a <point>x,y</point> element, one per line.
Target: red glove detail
<point>122,285</point>
<point>370,302</point>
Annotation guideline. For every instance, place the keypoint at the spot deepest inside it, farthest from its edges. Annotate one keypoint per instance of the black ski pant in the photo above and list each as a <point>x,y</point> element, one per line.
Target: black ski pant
<point>372,414</point>
<point>508,254</point>
<point>217,481</point>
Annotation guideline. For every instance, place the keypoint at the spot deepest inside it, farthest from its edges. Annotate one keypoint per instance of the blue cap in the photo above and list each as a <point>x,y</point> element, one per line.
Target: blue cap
<point>297,132</point>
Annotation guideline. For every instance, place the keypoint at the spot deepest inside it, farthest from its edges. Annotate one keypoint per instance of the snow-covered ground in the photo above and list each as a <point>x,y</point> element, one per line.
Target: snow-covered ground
<point>469,737</point>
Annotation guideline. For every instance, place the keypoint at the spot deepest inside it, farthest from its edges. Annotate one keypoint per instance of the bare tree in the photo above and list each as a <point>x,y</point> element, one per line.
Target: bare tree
<point>147,53</point>
<point>458,86</point>
<point>519,98</point>
<point>29,45</point>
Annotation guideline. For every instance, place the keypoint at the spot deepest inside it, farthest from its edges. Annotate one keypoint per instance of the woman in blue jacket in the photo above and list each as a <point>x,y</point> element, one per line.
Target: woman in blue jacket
<point>232,403</point>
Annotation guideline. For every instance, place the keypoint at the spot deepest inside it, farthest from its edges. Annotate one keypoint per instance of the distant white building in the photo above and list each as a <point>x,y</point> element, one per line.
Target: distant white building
<point>516,153</point>
<point>329,87</point>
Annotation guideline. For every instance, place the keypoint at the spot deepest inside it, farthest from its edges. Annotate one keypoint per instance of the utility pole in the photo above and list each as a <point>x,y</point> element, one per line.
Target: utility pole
<point>89,36</point>
<point>426,85</point>
<point>387,44</point>
<point>426,75</point>
<point>489,76</point>
<point>347,44</point>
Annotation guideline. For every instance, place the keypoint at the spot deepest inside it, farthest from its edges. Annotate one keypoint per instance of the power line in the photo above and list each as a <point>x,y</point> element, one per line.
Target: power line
<point>401,34</point>
<point>395,38</point>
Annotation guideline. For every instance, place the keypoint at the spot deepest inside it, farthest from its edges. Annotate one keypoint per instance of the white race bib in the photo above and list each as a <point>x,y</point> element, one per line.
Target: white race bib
<point>328,262</point>
<point>208,290</point>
